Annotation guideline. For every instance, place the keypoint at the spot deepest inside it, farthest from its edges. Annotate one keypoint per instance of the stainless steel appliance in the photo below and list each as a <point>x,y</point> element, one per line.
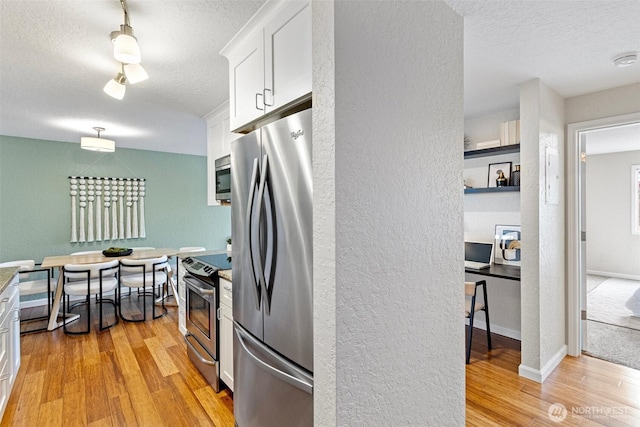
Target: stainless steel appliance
<point>202,300</point>
<point>271,218</point>
<point>223,178</point>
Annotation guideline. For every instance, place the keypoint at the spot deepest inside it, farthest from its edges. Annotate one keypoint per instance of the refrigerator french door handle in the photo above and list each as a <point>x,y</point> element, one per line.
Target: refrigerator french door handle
<point>252,186</point>
<point>263,181</point>
<point>306,387</point>
<point>270,249</point>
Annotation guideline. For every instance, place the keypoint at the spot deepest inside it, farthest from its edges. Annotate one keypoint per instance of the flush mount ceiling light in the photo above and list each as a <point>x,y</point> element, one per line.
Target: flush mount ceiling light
<point>127,52</point>
<point>97,144</point>
<point>625,59</point>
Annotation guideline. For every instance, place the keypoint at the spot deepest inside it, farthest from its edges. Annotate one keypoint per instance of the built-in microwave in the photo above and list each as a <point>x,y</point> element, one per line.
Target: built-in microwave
<point>223,178</point>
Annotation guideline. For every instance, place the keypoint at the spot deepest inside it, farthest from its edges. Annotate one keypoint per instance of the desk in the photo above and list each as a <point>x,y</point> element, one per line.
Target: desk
<point>60,261</point>
<point>510,272</point>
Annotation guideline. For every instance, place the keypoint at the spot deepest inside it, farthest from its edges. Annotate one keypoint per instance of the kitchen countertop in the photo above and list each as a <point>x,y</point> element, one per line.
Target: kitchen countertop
<point>225,274</point>
<point>201,253</point>
<point>6,274</point>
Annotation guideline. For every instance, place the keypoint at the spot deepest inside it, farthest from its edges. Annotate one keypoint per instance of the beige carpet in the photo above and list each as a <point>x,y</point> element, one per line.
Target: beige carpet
<point>613,334</point>
<point>606,303</point>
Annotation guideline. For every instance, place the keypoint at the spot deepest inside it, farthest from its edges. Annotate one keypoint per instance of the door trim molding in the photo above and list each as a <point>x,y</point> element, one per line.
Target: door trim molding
<point>573,220</point>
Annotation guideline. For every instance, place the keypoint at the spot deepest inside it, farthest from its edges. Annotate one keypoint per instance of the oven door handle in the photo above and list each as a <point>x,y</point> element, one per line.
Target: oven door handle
<point>198,289</point>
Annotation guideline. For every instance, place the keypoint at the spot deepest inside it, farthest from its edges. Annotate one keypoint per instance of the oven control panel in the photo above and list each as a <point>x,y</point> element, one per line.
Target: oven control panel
<point>198,268</point>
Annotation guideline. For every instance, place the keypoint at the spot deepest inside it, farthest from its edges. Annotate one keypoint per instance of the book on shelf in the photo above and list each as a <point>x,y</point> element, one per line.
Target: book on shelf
<point>487,144</point>
<point>510,132</point>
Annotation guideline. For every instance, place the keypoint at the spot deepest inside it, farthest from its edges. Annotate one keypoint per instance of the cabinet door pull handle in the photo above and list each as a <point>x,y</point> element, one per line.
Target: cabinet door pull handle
<point>257,95</point>
<point>264,97</point>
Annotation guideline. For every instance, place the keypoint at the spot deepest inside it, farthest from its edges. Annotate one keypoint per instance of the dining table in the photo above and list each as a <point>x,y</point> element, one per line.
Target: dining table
<point>59,261</point>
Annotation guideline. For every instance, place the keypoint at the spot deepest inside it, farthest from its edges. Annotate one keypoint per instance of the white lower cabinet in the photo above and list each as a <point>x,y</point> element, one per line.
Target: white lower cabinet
<point>9,340</point>
<point>182,305</point>
<point>225,316</point>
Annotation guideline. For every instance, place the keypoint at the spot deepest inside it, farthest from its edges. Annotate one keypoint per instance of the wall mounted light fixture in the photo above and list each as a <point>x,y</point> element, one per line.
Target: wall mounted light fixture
<point>97,144</point>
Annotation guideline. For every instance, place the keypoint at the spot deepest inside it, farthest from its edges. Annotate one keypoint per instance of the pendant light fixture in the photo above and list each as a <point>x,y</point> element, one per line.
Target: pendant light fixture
<point>135,73</point>
<point>115,87</point>
<point>125,45</point>
<point>127,52</point>
<point>97,144</point>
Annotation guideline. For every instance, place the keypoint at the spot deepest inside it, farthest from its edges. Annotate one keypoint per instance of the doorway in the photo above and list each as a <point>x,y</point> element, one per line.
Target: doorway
<point>600,234</point>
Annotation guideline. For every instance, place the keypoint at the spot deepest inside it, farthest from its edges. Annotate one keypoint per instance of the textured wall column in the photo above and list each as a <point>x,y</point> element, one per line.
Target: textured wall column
<point>393,186</point>
<point>543,288</point>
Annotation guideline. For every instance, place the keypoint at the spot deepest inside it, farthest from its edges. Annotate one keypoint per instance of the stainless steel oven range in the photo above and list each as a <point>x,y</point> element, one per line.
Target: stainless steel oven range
<point>202,299</point>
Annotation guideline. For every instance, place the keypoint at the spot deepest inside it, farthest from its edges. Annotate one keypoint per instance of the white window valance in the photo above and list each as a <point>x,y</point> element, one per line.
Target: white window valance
<point>106,208</point>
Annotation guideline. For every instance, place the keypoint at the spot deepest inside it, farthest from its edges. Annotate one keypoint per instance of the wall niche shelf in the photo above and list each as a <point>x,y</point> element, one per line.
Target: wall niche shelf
<point>494,151</point>
<point>492,190</point>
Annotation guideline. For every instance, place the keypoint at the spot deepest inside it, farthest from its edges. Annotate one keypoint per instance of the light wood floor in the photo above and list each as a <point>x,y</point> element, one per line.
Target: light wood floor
<point>593,391</point>
<point>134,374</point>
<point>139,374</point>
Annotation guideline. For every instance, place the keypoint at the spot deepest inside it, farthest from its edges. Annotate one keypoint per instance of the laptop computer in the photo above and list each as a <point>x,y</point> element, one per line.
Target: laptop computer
<point>477,255</point>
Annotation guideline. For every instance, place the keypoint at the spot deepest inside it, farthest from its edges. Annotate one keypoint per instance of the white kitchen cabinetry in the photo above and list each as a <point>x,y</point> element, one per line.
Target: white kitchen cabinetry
<point>225,316</point>
<point>182,305</point>
<point>219,139</point>
<point>9,340</point>
<point>269,62</point>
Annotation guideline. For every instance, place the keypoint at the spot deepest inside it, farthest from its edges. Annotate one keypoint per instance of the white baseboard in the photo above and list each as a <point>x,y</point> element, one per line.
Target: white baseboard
<point>616,275</point>
<point>496,329</point>
<point>540,375</point>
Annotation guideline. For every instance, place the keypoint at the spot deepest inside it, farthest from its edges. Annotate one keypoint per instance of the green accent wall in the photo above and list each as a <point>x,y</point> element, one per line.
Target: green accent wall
<point>35,203</point>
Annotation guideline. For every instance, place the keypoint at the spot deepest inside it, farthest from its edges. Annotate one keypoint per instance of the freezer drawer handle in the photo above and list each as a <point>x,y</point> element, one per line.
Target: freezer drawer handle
<point>308,388</point>
<point>196,352</point>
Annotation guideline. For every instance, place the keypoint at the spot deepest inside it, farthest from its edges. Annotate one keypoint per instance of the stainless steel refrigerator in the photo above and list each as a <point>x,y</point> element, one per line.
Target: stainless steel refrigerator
<point>271,205</point>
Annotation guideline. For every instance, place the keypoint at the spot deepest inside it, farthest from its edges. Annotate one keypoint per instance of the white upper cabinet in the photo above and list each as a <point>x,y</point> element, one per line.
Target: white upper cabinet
<point>269,62</point>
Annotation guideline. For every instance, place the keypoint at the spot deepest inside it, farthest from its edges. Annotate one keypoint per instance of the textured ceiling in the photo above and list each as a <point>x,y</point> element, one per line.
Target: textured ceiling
<point>569,45</point>
<point>55,57</point>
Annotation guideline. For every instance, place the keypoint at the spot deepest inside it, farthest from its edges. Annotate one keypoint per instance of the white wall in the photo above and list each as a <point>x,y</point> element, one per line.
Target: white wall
<point>543,233</point>
<point>324,216</point>
<point>393,225</point>
<point>611,248</point>
<point>606,103</point>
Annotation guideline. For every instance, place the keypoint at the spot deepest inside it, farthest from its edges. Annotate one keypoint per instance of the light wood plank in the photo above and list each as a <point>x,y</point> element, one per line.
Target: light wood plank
<point>216,408</point>
<point>50,414</point>
<point>122,411</point>
<point>161,357</point>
